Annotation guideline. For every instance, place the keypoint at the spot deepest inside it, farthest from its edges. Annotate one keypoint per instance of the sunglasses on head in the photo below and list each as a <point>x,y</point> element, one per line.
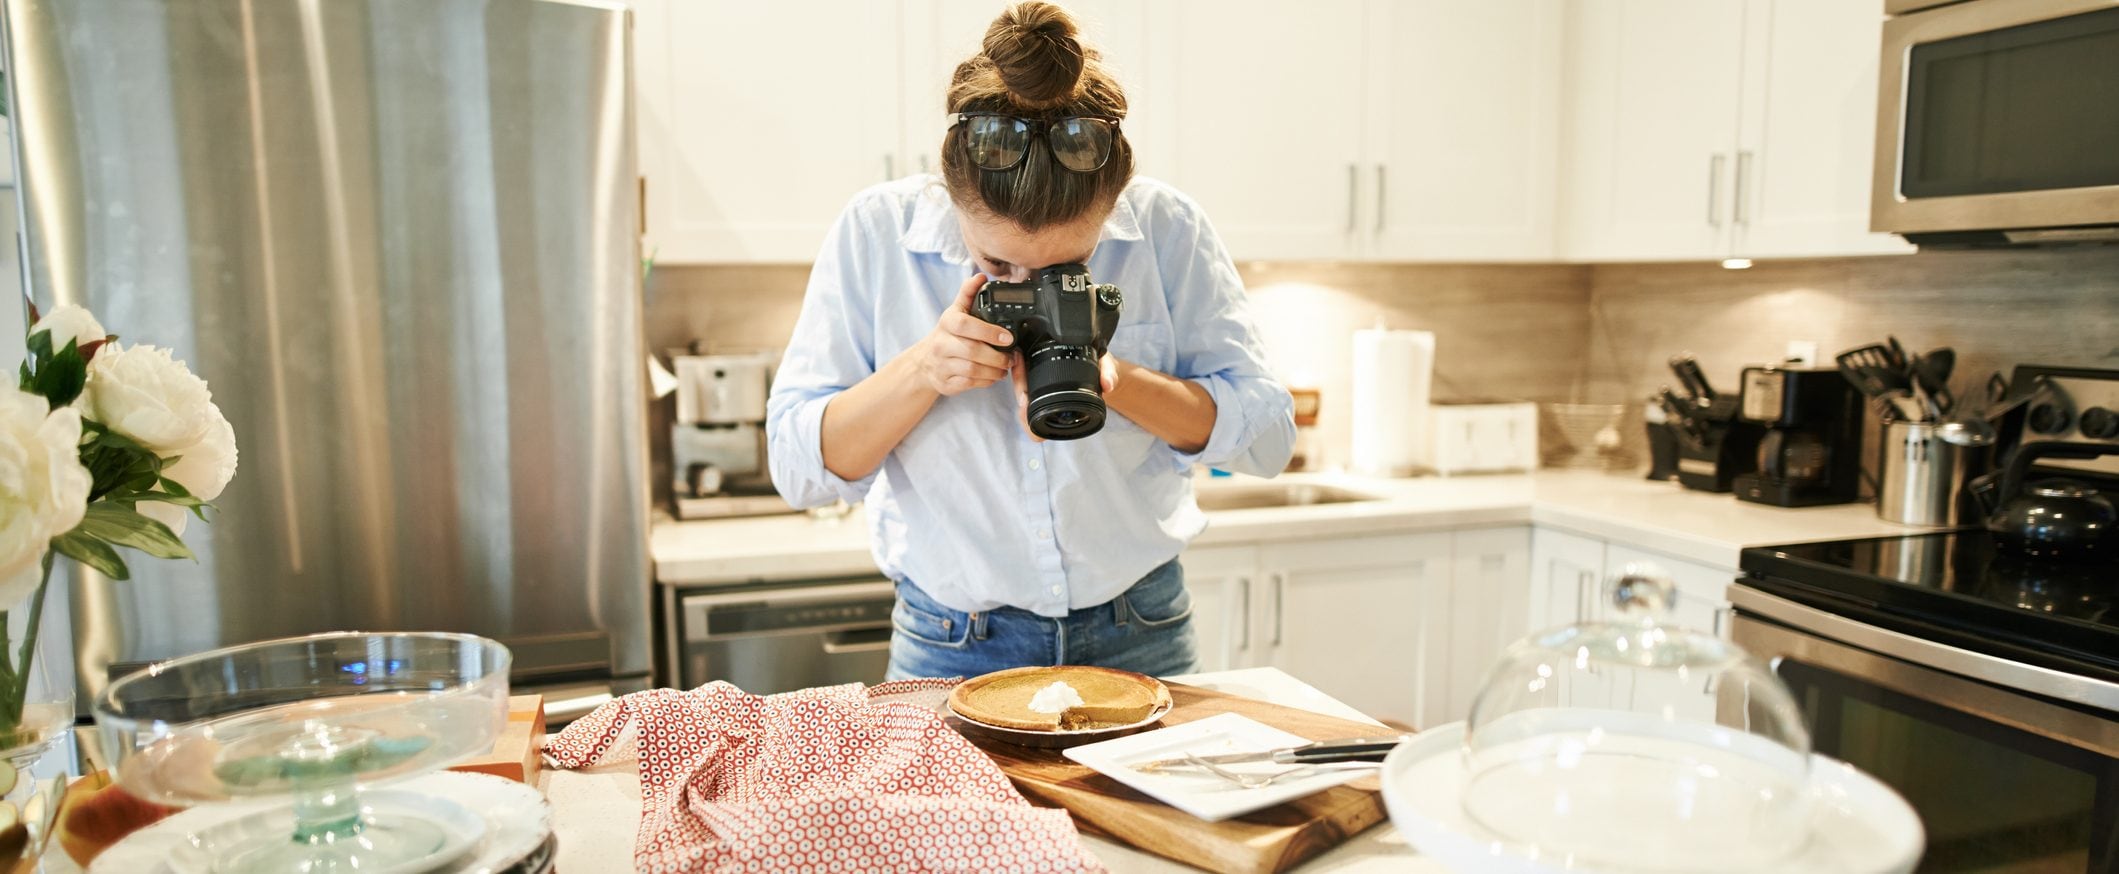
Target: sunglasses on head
<point>995,141</point>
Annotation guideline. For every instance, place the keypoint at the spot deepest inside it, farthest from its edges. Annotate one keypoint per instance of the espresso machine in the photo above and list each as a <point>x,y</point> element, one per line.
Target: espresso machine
<point>1810,450</point>
<point>717,442</point>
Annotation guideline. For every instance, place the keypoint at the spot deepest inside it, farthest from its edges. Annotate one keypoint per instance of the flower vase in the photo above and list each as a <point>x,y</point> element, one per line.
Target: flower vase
<point>36,712</point>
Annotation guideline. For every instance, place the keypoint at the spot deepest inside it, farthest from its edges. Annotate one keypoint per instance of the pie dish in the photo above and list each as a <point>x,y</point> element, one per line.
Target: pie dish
<point>1110,699</point>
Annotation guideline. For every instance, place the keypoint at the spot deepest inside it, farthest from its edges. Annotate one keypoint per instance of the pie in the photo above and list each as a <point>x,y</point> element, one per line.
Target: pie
<point>1110,698</point>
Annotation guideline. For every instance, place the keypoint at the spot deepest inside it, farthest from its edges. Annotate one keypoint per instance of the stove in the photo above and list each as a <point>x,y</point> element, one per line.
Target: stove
<point>1979,682</point>
<point>1957,588</point>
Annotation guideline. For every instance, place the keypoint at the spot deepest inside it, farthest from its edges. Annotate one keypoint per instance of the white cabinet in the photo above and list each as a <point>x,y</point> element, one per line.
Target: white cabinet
<point>1400,626</point>
<point>1711,130</point>
<point>1395,131</point>
<point>1808,126</point>
<point>1652,121</point>
<point>1263,104</point>
<point>1366,619</point>
<point>1565,574</point>
<point>751,146</point>
<point>1220,580</point>
<point>1463,130</point>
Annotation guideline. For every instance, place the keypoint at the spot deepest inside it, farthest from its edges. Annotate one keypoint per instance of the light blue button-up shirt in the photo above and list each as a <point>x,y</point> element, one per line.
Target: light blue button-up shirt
<point>969,507</point>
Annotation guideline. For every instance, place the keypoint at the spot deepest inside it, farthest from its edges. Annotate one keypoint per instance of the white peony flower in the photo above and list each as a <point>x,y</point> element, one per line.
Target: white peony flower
<point>43,487</point>
<point>143,393</point>
<point>203,469</point>
<point>70,322</point>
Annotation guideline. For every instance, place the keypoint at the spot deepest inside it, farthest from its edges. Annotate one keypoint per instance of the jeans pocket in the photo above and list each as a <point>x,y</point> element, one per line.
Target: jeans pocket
<point>929,623</point>
<point>1159,602</point>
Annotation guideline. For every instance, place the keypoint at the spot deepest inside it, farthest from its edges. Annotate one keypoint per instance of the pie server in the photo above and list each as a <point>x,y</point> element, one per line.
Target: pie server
<point>1360,749</point>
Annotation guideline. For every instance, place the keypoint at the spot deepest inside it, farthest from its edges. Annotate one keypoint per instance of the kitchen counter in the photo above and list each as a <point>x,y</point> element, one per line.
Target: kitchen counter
<point>1624,508</point>
<point>596,812</point>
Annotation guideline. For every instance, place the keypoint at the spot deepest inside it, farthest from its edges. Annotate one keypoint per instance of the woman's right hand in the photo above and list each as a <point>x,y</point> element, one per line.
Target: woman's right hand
<point>958,355</point>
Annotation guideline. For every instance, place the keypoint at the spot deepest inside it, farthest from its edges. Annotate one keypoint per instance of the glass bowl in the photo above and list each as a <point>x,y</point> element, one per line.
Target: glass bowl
<point>315,719</point>
<point>1636,745</point>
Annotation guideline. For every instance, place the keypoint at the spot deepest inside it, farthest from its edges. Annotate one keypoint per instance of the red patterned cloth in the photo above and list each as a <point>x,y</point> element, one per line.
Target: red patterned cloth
<point>836,778</point>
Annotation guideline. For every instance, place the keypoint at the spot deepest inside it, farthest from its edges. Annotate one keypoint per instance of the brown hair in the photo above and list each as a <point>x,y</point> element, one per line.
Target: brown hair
<point>1035,66</point>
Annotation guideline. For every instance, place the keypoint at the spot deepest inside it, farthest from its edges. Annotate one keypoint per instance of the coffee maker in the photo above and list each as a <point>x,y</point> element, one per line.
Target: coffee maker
<point>1810,451</point>
<point>717,443</point>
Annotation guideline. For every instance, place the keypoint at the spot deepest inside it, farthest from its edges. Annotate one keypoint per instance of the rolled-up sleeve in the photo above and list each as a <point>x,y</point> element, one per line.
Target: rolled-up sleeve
<point>1218,347</point>
<point>832,348</point>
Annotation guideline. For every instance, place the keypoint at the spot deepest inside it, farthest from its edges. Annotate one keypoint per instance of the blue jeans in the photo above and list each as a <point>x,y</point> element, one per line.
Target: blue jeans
<point>1146,629</point>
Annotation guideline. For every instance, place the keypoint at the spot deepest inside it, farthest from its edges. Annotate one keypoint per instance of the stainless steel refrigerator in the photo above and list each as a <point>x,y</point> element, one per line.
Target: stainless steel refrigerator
<point>400,240</point>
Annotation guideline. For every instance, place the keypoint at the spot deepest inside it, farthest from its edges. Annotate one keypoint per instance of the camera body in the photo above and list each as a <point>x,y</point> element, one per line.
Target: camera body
<point>1062,323</point>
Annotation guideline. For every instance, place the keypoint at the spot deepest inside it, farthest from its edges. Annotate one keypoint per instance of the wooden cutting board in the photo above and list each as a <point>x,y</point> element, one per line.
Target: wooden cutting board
<point>1270,840</point>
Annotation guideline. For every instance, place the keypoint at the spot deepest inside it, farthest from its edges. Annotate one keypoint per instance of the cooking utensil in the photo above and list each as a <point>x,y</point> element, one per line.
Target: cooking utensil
<point>1897,355</point>
<point>1691,377</point>
<point>1360,749</point>
<point>2054,518</point>
<point>1870,369</point>
<point>1260,781</point>
<point>1931,372</point>
<point>1966,431</point>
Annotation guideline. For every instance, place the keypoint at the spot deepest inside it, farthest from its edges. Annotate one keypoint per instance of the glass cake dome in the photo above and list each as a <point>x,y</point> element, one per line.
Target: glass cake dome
<point>1632,744</point>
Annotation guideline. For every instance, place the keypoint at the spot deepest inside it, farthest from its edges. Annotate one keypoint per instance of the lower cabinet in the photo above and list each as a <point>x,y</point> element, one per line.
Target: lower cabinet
<point>1405,627</point>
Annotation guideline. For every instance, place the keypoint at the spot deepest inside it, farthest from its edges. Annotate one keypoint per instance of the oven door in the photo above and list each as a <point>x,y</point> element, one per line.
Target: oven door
<point>2002,780</point>
<point>1996,115</point>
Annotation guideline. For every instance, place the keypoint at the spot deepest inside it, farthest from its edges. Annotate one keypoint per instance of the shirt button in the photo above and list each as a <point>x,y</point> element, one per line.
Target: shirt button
<point>1056,590</point>
<point>1044,534</point>
<point>1035,464</point>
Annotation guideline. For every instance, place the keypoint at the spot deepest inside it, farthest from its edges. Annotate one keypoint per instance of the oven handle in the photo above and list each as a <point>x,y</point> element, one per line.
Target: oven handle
<point>1941,657</point>
<point>855,640</point>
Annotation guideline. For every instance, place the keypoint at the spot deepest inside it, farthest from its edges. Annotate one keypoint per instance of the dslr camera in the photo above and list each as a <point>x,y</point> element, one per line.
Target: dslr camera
<point>1062,323</point>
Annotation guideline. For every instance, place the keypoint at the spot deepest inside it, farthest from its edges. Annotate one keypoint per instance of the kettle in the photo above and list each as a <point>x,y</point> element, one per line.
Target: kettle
<point>2053,518</point>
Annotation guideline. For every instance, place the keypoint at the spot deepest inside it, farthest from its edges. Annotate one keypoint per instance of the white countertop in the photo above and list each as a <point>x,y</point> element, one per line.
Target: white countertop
<point>596,812</point>
<point>1623,508</point>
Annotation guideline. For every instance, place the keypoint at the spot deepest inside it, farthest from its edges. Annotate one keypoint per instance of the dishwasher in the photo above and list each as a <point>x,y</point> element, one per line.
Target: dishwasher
<point>778,637</point>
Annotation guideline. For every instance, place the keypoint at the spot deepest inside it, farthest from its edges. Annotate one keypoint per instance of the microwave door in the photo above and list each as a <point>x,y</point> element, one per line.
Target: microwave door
<point>1996,115</point>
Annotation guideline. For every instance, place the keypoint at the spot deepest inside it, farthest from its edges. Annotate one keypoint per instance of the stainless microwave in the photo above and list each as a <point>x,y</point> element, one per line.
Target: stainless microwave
<point>1998,122</point>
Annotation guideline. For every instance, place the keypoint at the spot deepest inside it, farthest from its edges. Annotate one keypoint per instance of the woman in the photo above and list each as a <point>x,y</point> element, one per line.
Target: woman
<point>1009,550</point>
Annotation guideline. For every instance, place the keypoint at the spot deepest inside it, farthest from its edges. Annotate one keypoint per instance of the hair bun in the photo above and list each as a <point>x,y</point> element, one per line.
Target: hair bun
<point>1033,47</point>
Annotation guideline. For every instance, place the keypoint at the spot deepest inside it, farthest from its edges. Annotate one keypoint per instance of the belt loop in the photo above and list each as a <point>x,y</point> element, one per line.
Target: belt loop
<point>978,625</point>
<point>1121,610</point>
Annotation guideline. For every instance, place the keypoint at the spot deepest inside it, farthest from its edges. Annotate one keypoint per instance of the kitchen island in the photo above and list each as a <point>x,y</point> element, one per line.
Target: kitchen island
<point>596,812</point>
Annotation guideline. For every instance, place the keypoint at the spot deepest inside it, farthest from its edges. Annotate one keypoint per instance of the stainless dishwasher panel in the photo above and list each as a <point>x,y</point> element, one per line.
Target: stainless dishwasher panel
<point>779,638</point>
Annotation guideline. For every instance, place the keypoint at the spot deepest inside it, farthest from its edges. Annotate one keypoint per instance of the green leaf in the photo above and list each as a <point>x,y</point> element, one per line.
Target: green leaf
<point>175,488</point>
<point>124,526</point>
<point>40,344</point>
<point>92,552</point>
<point>115,440</point>
<point>60,377</point>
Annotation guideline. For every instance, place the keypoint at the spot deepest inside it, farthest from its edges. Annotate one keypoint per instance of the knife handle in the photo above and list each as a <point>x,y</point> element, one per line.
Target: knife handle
<point>1359,749</point>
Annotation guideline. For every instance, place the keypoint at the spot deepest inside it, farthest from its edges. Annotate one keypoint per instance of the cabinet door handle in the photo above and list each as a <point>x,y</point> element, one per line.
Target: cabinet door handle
<point>1714,189</point>
<point>1379,198</point>
<point>890,166</point>
<point>923,162</point>
<point>1719,613</point>
<point>1280,585</point>
<point>1353,183</point>
<point>1741,211</point>
<point>1585,585</point>
<point>1243,616</point>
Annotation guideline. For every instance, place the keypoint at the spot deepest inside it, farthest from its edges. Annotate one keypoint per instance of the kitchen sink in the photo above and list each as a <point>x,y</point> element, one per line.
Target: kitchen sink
<point>1251,497</point>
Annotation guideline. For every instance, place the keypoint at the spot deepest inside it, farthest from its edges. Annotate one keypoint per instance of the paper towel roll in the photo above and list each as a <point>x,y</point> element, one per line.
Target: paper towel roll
<point>1394,375</point>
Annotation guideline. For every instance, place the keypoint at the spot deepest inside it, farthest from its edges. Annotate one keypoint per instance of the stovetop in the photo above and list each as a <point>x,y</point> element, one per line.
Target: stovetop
<point>1959,588</point>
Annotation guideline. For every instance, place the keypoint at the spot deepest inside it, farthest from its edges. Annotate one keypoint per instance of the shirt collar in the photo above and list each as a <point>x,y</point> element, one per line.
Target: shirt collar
<point>934,228</point>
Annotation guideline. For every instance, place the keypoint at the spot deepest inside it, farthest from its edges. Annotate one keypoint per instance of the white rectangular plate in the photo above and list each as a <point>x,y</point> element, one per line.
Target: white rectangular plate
<point>1195,790</point>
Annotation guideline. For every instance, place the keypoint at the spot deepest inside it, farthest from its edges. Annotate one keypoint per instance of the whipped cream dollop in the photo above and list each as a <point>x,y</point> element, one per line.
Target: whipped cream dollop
<point>1055,698</point>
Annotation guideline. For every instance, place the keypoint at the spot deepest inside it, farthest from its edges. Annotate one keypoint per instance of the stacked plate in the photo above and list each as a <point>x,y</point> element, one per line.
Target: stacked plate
<point>510,833</point>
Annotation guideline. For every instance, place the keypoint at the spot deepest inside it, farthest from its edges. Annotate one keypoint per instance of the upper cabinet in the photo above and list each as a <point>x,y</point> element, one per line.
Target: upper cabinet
<point>1384,130</point>
<point>1717,130</point>
<point>758,121</point>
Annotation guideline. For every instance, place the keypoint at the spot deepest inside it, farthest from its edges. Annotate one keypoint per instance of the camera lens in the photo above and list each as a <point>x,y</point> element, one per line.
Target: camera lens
<point>1066,415</point>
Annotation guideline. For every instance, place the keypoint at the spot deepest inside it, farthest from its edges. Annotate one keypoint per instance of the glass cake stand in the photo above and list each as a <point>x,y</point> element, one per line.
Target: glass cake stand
<point>317,720</point>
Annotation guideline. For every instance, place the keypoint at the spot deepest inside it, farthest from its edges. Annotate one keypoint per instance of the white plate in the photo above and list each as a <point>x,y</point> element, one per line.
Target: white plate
<point>1196,791</point>
<point>516,818</point>
<point>1858,824</point>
